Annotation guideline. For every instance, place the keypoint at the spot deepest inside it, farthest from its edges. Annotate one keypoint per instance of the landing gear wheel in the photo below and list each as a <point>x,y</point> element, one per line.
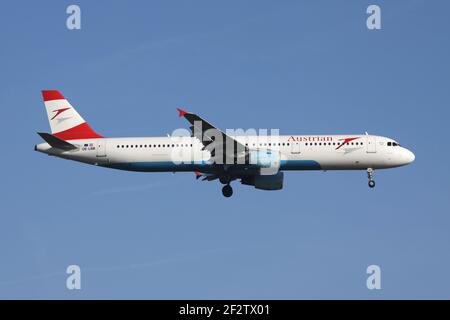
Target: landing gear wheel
<point>370,176</point>
<point>225,179</point>
<point>227,191</point>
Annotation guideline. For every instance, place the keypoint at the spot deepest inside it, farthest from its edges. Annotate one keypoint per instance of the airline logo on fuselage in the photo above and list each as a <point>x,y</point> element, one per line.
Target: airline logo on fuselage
<point>310,139</point>
<point>346,140</point>
<point>341,142</point>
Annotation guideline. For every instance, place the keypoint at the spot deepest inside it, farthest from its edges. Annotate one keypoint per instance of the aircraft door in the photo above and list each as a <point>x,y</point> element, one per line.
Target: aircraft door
<point>371,143</point>
<point>101,148</point>
<point>295,147</point>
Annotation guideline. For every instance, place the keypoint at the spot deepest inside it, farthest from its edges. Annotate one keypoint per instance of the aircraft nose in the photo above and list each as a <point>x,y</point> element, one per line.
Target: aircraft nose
<point>410,157</point>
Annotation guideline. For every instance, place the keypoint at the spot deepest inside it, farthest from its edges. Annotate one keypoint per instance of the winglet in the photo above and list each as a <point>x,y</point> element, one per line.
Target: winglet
<point>198,174</point>
<point>181,112</point>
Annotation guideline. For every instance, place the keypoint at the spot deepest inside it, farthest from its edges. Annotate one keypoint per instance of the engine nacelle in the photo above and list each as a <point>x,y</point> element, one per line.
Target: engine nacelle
<point>265,182</point>
<point>267,160</point>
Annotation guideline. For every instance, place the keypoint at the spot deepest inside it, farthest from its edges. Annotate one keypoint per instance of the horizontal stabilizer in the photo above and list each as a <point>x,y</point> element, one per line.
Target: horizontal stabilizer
<point>56,142</point>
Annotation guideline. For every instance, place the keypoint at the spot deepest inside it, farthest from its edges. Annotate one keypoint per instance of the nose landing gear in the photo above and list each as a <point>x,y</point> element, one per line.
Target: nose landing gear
<point>370,176</point>
<point>227,191</point>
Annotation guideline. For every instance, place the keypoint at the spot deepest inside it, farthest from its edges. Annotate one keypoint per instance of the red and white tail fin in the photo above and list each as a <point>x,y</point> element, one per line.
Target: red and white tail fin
<point>65,121</point>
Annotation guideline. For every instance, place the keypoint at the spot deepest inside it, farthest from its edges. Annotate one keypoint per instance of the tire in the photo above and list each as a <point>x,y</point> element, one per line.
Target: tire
<point>227,191</point>
<point>224,179</point>
<point>371,183</point>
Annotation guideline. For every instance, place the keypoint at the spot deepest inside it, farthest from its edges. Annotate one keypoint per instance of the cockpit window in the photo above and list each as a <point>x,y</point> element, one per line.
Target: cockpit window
<point>389,143</point>
<point>393,144</point>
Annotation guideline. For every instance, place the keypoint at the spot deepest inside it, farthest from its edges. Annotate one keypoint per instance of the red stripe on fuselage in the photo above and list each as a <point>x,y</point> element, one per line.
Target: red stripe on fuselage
<point>82,131</point>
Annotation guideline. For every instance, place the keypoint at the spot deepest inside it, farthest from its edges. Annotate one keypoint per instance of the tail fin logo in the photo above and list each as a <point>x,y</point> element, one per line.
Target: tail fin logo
<point>58,112</point>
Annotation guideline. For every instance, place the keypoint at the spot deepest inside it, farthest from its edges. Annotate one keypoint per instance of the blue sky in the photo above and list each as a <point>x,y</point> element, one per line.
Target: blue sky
<point>306,67</point>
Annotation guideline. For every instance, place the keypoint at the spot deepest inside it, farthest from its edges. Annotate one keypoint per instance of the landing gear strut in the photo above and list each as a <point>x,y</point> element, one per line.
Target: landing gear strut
<point>370,176</point>
<point>227,191</point>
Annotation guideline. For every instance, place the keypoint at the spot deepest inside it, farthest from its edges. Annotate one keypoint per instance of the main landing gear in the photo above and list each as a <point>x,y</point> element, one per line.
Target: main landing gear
<point>370,176</point>
<point>227,191</point>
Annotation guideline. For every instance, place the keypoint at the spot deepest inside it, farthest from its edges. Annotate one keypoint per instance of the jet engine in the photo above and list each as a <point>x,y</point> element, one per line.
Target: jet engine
<point>265,182</point>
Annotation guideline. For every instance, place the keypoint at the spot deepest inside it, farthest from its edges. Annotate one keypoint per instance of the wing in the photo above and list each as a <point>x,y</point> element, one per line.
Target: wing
<point>221,146</point>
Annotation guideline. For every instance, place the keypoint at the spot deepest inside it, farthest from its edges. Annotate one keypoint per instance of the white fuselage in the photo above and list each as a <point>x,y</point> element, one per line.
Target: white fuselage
<point>297,152</point>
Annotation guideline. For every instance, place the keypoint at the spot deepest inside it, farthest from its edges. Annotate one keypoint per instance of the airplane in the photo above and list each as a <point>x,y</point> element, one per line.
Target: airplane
<point>256,160</point>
